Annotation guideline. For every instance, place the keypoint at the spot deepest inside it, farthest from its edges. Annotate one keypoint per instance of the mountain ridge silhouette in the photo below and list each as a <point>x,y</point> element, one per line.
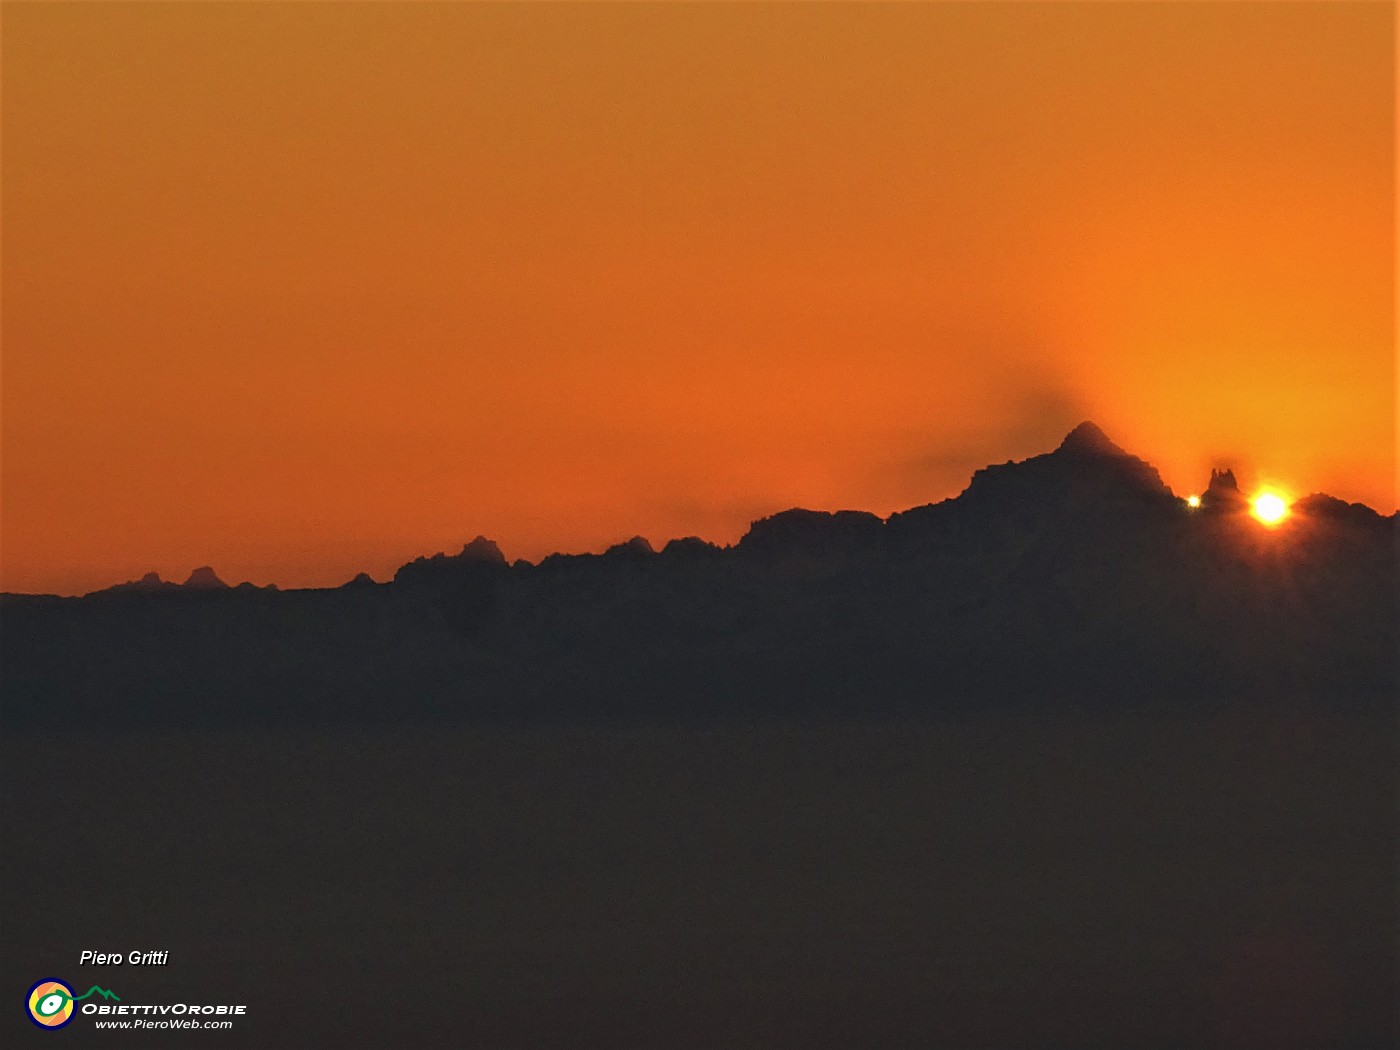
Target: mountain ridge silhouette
<point>1084,469</point>
<point>1075,576</point>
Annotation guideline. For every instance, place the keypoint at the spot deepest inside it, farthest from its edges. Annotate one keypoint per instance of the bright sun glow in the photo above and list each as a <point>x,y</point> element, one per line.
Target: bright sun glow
<point>1270,508</point>
<point>1193,501</point>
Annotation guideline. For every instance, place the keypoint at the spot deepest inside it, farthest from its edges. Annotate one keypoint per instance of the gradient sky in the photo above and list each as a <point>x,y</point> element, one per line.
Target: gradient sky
<point>297,290</point>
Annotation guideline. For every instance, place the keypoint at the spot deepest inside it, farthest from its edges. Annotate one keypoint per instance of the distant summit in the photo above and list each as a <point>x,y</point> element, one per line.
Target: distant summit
<point>483,550</point>
<point>149,583</point>
<point>636,547</point>
<point>1083,475</point>
<point>1088,439</point>
<point>204,579</point>
<point>1323,507</point>
<point>478,556</point>
<point>1223,492</point>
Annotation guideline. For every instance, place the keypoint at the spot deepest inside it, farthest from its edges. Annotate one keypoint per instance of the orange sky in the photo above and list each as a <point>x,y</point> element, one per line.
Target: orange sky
<point>299,289</point>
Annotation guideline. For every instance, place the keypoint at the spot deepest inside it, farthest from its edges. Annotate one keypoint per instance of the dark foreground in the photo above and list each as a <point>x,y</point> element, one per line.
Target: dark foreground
<point>1222,880</point>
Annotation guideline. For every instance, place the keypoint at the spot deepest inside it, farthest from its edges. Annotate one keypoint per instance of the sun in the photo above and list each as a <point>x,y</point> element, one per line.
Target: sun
<point>1269,507</point>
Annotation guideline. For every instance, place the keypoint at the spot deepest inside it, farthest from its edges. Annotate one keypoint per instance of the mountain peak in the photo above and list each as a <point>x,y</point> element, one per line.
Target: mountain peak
<point>1223,491</point>
<point>483,550</point>
<point>1223,481</point>
<point>1088,439</point>
<point>204,578</point>
<point>636,547</point>
<point>1085,471</point>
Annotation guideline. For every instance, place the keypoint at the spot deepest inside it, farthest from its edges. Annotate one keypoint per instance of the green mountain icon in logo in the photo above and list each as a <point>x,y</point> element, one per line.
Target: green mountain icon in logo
<point>104,992</point>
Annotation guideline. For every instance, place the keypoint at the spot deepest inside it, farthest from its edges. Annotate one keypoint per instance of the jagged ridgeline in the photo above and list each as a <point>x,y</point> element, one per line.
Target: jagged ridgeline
<point>1073,578</point>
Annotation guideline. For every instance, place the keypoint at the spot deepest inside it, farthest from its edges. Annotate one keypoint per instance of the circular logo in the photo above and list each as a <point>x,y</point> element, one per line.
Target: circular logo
<point>50,1003</point>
